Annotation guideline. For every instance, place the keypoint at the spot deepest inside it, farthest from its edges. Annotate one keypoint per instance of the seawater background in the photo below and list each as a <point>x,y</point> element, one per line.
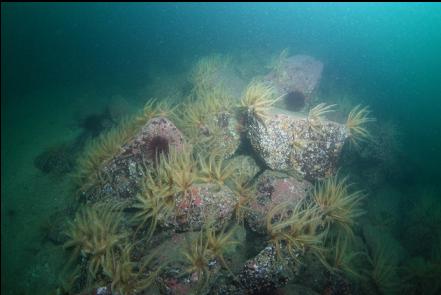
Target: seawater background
<point>62,61</point>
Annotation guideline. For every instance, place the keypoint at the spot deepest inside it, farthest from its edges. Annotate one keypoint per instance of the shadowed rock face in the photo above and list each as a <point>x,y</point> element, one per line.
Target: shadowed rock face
<point>288,141</point>
<point>295,100</point>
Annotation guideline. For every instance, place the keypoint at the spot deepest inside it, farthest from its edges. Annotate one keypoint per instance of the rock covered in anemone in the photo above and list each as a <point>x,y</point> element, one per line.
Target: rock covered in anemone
<point>202,204</point>
<point>120,176</point>
<point>273,188</point>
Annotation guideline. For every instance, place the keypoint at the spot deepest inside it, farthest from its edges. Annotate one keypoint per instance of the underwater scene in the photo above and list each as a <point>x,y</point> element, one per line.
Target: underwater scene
<point>220,148</point>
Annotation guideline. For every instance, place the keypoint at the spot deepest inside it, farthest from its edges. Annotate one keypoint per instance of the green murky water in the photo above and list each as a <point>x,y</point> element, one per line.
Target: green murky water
<point>70,72</point>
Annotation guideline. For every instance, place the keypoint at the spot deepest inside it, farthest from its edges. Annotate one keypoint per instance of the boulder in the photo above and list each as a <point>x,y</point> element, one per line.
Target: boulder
<point>295,77</point>
<point>204,203</point>
<point>287,141</point>
<point>264,273</point>
<point>273,188</point>
<point>121,176</point>
<point>296,73</point>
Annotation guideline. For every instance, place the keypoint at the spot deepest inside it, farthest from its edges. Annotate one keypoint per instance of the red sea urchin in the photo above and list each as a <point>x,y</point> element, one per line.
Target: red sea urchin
<point>157,145</point>
<point>158,137</point>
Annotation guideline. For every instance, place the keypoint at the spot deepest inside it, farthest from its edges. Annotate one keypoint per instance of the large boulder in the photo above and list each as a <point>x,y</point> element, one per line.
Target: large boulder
<point>274,188</point>
<point>265,272</point>
<point>202,204</point>
<point>121,176</point>
<point>295,78</point>
<point>287,141</point>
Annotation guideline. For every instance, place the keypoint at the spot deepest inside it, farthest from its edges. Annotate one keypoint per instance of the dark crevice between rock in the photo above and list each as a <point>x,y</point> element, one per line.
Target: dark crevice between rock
<point>295,101</point>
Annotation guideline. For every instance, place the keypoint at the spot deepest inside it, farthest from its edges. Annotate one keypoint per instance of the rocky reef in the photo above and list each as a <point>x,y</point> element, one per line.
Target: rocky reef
<point>206,196</point>
<point>120,176</point>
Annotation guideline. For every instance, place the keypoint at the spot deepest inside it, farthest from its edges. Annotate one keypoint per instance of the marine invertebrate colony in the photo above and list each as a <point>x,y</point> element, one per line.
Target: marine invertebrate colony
<point>120,270</point>
<point>214,169</point>
<point>293,229</point>
<point>197,257</point>
<point>384,270</point>
<point>245,192</point>
<point>171,183</point>
<point>163,188</point>
<point>316,115</point>
<point>356,124</point>
<point>342,257</point>
<point>338,206</point>
<point>218,243</point>
<point>95,233</point>
<point>128,276</point>
<point>205,118</point>
<point>100,150</point>
<point>205,75</point>
<point>258,100</point>
<point>155,201</point>
<point>155,108</point>
<point>179,169</point>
